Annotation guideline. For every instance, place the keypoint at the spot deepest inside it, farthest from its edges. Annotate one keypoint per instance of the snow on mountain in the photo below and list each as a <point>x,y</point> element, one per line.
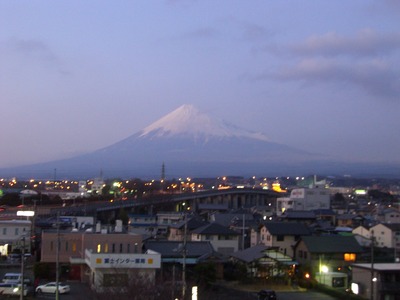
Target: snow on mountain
<point>187,120</point>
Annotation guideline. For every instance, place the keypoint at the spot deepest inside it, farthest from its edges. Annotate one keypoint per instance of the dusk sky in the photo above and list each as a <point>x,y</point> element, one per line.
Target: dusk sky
<point>322,76</point>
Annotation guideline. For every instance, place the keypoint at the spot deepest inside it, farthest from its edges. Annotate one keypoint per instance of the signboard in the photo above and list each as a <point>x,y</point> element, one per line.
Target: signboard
<point>297,193</point>
<point>123,260</point>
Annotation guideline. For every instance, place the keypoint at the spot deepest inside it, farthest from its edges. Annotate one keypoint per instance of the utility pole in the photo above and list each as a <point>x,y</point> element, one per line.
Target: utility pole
<point>184,258</point>
<point>372,268</point>
<point>21,295</point>
<point>58,256</point>
<point>243,234</point>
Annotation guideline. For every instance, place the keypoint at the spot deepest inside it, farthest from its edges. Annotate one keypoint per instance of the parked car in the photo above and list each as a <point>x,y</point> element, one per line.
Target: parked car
<point>51,288</point>
<point>12,278</point>
<point>267,295</point>
<point>15,278</point>
<point>11,289</point>
<point>14,257</point>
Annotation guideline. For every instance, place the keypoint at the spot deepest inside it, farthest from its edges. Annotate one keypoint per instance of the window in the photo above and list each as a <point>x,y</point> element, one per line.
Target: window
<point>113,248</point>
<point>74,247</point>
<point>349,257</point>
<point>66,246</point>
<point>16,231</point>
<point>4,231</point>
<point>128,248</point>
<point>268,237</point>
<point>98,248</point>
<point>280,238</point>
<point>106,248</point>
<point>120,248</point>
<point>301,253</point>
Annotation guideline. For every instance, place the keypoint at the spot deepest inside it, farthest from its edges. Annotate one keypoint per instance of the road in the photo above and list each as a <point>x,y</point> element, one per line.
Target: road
<point>308,295</point>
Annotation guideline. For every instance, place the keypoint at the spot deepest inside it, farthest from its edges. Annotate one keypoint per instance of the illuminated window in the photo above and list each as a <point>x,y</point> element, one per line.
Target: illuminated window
<point>73,247</point>
<point>349,257</point>
<point>98,248</point>
<point>106,248</point>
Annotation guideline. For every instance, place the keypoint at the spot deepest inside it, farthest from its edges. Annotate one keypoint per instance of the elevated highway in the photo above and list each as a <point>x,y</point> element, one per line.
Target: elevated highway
<point>228,199</point>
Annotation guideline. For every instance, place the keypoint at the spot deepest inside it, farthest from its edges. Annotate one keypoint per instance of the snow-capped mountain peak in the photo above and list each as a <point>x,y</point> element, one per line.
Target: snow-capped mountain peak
<point>188,120</point>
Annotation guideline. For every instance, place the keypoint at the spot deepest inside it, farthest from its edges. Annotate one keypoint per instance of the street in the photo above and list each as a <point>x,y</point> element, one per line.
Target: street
<point>307,295</point>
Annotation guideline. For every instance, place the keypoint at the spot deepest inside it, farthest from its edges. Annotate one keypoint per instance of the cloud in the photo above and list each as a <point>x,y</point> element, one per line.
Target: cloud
<point>376,77</point>
<point>34,49</point>
<point>366,43</point>
<point>367,60</point>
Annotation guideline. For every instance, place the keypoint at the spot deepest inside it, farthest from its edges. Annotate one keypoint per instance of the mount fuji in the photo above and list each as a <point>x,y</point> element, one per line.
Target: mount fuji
<point>188,142</point>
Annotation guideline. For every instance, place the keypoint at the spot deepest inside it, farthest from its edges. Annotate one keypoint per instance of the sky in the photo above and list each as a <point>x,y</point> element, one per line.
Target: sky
<point>321,76</point>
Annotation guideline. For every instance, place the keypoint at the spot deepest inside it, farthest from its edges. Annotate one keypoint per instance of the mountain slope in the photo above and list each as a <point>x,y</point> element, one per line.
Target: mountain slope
<point>187,141</point>
<point>189,135</point>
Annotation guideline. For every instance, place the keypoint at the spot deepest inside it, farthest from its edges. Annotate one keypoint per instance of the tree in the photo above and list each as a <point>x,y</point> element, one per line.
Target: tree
<point>205,274</point>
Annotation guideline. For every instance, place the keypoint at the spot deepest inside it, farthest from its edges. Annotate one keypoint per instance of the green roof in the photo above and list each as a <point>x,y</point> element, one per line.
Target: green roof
<point>332,244</point>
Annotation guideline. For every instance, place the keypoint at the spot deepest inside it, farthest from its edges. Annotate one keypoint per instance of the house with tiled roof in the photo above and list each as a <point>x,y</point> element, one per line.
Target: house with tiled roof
<point>304,216</point>
<point>223,239</point>
<point>262,261</point>
<point>349,220</point>
<point>176,231</point>
<point>280,235</point>
<point>389,215</point>
<point>172,255</point>
<point>172,251</point>
<point>335,251</point>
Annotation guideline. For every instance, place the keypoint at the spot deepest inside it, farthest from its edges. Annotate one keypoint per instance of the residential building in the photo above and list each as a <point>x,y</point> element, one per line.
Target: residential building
<point>389,215</point>
<point>223,239</point>
<point>281,235</point>
<point>262,261</point>
<point>11,234</point>
<point>335,252</point>
<point>176,231</point>
<point>384,277</point>
<point>386,235</point>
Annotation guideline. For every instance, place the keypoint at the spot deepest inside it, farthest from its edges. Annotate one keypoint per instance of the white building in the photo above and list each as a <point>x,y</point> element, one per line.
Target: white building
<point>316,196</point>
<point>386,235</point>
<point>11,234</point>
<point>121,271</point>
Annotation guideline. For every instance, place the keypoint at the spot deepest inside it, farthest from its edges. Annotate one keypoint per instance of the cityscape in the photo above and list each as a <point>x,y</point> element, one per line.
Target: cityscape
<point>334,236</point>
<point>198,150</point>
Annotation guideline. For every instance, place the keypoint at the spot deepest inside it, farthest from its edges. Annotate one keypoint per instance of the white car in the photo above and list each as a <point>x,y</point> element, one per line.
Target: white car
<point>51,288</point>
<point>12,289</point>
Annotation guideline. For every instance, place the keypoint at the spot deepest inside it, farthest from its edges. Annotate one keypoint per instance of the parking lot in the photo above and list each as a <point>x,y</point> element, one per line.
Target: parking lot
<point>79,290</point>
